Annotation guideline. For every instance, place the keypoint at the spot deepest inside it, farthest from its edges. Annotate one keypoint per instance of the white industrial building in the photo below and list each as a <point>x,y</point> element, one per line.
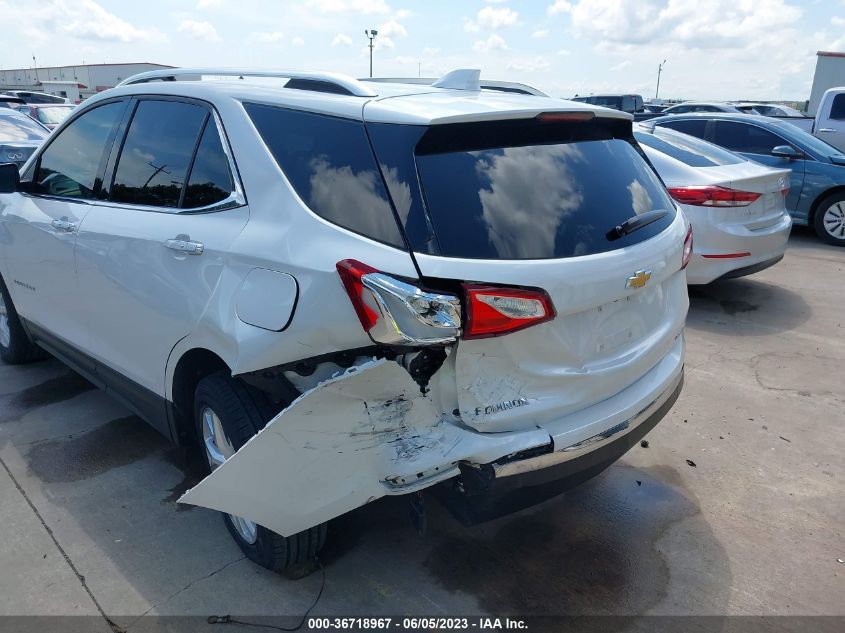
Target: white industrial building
<point>73,82</point>
<point>830,73</point>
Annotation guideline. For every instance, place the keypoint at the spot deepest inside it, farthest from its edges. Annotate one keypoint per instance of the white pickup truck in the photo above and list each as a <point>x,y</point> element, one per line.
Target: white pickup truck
<point>829,122</point>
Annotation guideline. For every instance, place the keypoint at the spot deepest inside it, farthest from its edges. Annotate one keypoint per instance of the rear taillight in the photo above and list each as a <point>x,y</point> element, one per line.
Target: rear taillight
<point>686,254</point>
<point>713,196</point>
<point>493,311</point>
<point>394,312</point>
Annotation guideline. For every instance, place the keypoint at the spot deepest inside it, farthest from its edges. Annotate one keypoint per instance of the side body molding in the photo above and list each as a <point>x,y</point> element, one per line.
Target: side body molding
<point>366,433</point>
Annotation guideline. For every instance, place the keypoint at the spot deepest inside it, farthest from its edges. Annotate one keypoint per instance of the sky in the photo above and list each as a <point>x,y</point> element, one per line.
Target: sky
<point>715,49</point>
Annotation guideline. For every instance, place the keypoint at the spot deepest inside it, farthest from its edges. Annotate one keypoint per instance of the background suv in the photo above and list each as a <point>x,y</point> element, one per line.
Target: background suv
<point>345,290</point>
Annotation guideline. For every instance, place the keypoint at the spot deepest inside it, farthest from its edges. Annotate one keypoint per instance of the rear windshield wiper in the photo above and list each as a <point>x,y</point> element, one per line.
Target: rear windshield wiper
<point>637,222</point>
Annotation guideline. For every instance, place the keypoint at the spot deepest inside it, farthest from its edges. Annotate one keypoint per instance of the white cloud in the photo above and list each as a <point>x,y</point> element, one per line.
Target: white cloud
<point>713,24</point>
<point>342,40</point>
<point>199,29</point>
<point>392,28</point>
<point>540,34</point>
<point>269,37</point>
<point>209,4</point>
<point>559,6</point>
<point>297,41</point>
<point>622,65</point>
<point>564,52</point>
<point>366,7</point>
<point>491,18</point>
<point>837,21</point>
<point>496,18</point>
<point>493,43</point>
<point>430,51</point>
<point>531,65</point>
<point>92,21</point>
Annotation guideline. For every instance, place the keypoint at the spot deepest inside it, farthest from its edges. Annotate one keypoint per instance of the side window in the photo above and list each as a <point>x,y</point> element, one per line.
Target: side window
<point>329,162</point>
<point>693,127</point>
<point>837,108</point>
<point>70,164</point>
<point>681,109</point>
<point>628,104</point>
<point>210,180</point>
<point>741,137</point>
<point>157,153</point>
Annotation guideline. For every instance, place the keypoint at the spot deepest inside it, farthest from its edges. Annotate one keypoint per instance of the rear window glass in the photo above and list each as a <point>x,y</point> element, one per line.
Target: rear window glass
<point>536,191</point>
<point>694,127</point>
<point>687,149</point>
<point>19,128</point>
<point>331,166</point>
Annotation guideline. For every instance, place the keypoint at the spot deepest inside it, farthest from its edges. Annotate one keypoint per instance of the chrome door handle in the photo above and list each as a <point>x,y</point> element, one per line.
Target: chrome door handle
<point>63,225</point>
<point>184,246</point>
<point>826,129</point>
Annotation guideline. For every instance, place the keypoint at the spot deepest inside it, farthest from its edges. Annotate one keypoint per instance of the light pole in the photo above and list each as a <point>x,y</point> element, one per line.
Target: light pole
<point>371,34</point>
<point>659,70</point>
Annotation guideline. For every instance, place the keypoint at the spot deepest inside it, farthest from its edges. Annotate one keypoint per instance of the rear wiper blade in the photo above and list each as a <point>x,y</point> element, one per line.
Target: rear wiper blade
<point>637,222</point>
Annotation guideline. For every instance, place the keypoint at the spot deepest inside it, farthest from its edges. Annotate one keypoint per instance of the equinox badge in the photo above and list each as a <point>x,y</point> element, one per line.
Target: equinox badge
<point>638,279</point>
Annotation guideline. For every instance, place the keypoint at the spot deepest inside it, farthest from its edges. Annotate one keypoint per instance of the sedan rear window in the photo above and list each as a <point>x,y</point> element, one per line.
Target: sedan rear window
<point>527,190</point>
<point>19,128</point>
<point>687,149</point>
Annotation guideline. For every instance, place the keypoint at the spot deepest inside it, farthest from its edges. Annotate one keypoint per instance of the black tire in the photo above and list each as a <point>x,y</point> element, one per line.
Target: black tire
<point>19,348</point>
<point>836,235</point>
<point>243,411</point>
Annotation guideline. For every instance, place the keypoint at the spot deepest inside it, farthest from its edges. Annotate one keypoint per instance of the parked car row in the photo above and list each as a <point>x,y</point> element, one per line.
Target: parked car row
<point>341,290</point>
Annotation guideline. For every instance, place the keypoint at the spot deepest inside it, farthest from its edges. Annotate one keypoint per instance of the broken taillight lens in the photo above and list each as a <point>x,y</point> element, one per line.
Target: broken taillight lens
<point>493,311</point>
<point>394,312</point>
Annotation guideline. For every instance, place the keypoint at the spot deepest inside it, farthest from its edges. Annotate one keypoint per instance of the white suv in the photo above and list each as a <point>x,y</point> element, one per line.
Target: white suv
<point>405,287</point>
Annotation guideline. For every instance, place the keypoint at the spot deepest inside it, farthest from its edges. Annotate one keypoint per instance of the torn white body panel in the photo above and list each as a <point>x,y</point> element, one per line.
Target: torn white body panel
<point>352,439</point>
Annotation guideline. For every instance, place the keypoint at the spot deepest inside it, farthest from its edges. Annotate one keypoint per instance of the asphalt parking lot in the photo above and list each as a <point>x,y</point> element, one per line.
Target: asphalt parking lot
<point>736,506</point>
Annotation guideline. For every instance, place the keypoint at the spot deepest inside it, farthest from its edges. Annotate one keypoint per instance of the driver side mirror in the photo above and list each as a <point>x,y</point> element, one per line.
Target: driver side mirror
<point>9,178</point>
<point>787,151</point>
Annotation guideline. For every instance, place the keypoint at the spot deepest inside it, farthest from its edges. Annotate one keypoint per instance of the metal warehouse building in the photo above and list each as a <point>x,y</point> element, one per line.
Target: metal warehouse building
<point>73,82</point>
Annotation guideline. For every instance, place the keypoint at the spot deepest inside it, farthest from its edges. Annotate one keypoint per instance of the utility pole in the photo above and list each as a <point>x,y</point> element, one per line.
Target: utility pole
<point>659,70</point>
<point>371,35</point>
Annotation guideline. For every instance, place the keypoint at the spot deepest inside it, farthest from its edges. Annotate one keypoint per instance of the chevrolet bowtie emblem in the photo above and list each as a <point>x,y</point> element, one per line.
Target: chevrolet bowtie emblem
<point>638,279</point>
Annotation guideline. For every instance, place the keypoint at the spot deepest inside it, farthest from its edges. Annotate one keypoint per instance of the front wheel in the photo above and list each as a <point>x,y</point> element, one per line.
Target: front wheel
<point>829,219</point>
<point>228,413</point>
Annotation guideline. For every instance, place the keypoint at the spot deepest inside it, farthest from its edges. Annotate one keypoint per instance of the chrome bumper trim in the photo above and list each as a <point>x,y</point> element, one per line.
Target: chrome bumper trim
<point>583,447</point>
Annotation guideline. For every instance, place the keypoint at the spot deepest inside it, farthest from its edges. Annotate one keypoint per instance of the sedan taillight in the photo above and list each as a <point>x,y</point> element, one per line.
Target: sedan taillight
<point>713,196</point>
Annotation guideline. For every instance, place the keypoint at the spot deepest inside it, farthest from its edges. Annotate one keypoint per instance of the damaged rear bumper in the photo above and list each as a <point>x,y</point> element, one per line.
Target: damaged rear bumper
<point>486,491</point>
<point>370,432</point>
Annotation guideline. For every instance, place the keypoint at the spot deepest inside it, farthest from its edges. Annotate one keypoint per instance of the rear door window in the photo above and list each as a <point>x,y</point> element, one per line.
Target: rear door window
<point>526,190</point>
<point>210,180</point>
<point>742,137</point>
<point>157,153</point>
<point>837,108</point>
<point>329,162</point>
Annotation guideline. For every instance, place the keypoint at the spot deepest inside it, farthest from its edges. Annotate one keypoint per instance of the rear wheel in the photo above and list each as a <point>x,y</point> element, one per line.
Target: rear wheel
<point>228,413</point>
<point>829,219</point>
<point>15,346</point>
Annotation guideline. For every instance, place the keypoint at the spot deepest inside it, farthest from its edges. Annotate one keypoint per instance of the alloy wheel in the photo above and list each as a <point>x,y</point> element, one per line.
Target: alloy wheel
<point>218,449</point>
<point>834,220</point>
